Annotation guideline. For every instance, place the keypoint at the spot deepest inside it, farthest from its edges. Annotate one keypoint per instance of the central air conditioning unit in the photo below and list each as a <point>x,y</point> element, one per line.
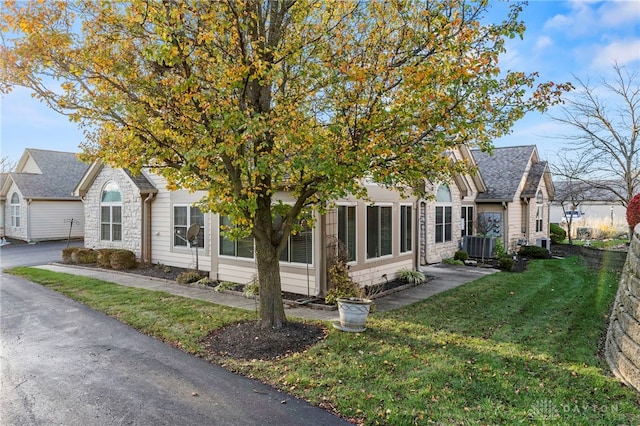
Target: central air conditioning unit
<point>479,246</point>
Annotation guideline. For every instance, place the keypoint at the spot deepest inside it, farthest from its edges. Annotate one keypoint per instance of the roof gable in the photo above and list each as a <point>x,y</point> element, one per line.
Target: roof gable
<point>503,171</point>
<point>536,173</point>
<point>53,174</point>
<point>141,182</point>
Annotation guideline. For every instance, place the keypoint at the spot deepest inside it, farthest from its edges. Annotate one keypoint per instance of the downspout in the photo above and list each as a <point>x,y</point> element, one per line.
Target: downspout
<point>505,231</point>
<point>527,218</point>
<point>146,228</point>
<point>416,241</point>
<point>29,220</point>
<point>321,269</point>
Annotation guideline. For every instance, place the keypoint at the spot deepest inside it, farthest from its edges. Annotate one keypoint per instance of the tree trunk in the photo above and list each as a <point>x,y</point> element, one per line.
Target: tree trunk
<point>271,306</point>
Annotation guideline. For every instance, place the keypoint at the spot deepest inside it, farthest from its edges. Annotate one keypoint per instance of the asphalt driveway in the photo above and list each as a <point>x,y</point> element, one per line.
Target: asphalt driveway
<point>22,254</point>
<point>63,363</point>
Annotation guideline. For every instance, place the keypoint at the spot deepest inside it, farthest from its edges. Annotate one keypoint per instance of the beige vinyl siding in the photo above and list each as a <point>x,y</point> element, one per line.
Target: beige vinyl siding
<point>375,274</point>
<point>514,227</point>
<point>50,220</point>
<point>30,166</point>
<point>293,280</point>
<point>162,249</point>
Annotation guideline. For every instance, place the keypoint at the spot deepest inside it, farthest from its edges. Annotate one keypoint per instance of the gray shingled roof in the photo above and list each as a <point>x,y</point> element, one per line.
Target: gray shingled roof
<point>586,191</point>
<point>141,182</point>
<point>533,180</point>
<point>502,171</point>
<point>61,171</point>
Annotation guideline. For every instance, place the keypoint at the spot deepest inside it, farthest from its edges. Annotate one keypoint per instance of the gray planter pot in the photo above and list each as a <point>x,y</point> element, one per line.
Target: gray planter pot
<point>353,314</point>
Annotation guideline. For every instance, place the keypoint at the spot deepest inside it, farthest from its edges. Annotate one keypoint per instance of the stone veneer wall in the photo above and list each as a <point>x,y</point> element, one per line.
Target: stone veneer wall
<point>622,348</point>
<point>131,213</point>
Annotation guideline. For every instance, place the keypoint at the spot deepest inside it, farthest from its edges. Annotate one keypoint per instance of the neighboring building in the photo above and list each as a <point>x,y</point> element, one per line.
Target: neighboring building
<point>36,199</point>
<point>516,205</point>
<point>381,236</point>
<point>599,208</point>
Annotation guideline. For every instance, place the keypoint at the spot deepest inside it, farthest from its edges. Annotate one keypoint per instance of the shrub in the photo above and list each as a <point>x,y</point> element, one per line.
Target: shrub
<point>252,289</point>
<point>499,251</point>
<point>85,255</point>
<point>68,253</point>
<point>225,285</point>
<point>557,234</point>
<point>123,259</point>
<point>341,284</point>
<point>633,211</point>
<point>461,255</point>
<point>506,263</point>
<point>412,276</point>
<point>535,252</point>
<point>188,277</point>
<point>104,257</point>
<point>452,261</point>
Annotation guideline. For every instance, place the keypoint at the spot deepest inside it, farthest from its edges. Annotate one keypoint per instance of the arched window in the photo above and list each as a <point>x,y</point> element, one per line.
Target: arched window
<point>443,214</point>
<point>15,210</point>
<point>111,213</point>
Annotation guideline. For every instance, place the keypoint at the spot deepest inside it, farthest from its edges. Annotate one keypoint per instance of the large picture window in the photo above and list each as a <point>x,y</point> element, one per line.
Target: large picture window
<point>242,247</point>
<point>183,218</point>
<point>15,210</point>
<point>379,232</point>
<point>347,229</point>
<point>443,214</point>
<point>406,236</point>
<point>111,213</point>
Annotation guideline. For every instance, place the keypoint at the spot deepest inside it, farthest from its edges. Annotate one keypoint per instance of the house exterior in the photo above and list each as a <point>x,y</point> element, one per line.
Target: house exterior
<point>37,201</point>
<point>516,205</point>
<point>381,235</point>
<point>141,215</point>
<point>600,210</point>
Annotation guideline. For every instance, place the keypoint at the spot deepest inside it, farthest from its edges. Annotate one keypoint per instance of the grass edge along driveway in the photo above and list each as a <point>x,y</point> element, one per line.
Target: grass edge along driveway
<point>506,349</point>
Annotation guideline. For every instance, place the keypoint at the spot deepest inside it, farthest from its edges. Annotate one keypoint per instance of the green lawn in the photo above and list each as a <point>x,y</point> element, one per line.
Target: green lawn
<point>507,349</point>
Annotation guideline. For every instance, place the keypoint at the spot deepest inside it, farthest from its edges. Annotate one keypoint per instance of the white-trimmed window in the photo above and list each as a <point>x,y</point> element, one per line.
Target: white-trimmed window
<point>15,210</point>
<point>183,218</point>
<point>406,236</point>
<point>539,211</point>
<point>347,229</point>
<point>379,231</point>
<point>242,247</point>
<point>299,248</point>
<point>443,214</point>
<point>111,213</point>
<point>467,220</point>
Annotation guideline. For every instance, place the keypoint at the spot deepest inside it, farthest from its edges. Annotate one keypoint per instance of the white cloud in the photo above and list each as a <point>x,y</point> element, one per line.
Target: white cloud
<point>615,13</point>
<point>586,16</point>
<point>581,19</point>
<point>623,52</point>
<point>543,42</point>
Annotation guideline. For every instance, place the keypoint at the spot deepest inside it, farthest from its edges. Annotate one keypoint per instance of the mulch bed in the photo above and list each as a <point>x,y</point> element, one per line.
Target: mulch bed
<point>248,341</point>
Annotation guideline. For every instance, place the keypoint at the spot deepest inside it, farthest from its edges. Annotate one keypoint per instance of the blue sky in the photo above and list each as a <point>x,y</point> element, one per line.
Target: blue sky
<point>563,38</point>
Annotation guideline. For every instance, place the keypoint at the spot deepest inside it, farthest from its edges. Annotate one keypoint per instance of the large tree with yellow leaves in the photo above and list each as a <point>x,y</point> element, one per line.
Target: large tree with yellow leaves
<point>245,98</point>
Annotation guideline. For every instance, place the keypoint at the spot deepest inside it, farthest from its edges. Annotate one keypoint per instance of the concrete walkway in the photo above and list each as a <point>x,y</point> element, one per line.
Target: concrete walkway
<point>444,277</point>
